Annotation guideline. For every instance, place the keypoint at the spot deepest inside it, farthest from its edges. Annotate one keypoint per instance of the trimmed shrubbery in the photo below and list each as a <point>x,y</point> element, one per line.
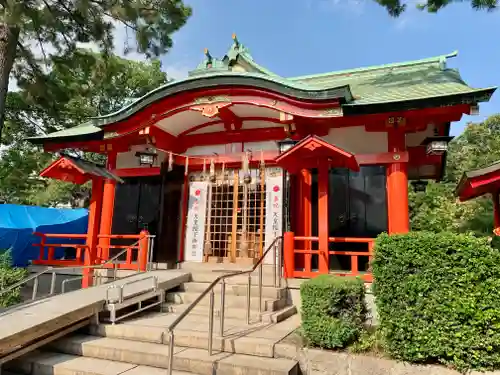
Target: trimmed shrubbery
<point>438,298</point>
<point>333,310</point>
<point>9,276</point>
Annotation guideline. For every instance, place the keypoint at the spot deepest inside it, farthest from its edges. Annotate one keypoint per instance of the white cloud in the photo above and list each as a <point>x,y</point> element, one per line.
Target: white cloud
<point>177,70</point>
<point>411,17</point>
<point>356,7</point>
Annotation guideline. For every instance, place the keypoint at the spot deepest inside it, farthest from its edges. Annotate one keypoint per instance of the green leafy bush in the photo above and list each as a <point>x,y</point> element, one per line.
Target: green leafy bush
<point>9,276</point>
<point>438,298</point>
<point>333,310</point>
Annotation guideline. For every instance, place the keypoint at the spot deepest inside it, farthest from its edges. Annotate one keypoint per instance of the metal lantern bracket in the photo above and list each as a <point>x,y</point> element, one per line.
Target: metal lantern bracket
<point>436,145</point>
<point>146,157</point>
<point>285,145</point>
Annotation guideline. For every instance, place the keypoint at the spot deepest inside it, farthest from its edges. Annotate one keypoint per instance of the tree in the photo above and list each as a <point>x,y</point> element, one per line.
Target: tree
<point>438,209</point>
<point>396,7</point>
<point>79,86</point>
<point>55,27</point>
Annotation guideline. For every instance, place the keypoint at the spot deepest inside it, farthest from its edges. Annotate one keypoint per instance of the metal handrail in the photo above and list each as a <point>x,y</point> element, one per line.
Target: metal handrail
<point>53,269</point>
<point>210,289</point>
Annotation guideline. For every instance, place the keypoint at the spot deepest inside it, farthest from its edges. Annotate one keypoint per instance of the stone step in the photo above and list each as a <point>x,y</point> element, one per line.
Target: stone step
<point>49,363</point>
<point>209,276</point>
<point>236,289</point>
<point>230,301</point>
<point>185,359</point>
<point>223,267</point>
<point>234,312</point>
<point>232,342</point>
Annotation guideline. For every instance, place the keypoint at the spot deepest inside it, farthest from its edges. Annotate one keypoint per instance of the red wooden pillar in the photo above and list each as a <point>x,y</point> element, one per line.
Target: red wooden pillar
<point>108,205</point>
<point>306,213</point>
<point>496,210</point>
<point>90,254</point>
<point>303,223</point>
<point>323,233</point>
<point>142,258</point>
<point>397,186</point>
<point>288,255</point>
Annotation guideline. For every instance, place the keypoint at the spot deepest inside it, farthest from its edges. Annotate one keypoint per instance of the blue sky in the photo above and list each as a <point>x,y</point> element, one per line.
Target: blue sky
<point>298,37</point>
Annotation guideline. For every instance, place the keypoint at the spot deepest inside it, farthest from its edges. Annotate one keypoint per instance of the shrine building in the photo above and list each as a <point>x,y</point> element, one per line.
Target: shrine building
<point>218,165</point>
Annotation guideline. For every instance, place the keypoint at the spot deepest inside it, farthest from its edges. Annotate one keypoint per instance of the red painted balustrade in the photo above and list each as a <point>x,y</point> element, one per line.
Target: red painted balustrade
<point>135,258</point>
<point>302,245</point>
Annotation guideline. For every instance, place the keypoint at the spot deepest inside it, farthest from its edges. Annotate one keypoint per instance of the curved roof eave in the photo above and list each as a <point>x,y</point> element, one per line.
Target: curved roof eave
<point>251,80</point>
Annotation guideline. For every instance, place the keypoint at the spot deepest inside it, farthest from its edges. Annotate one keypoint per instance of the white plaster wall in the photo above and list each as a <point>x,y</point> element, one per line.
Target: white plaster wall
<point>357,140</point>
<point>129,160</point>
<point>415,139</point>
<point>206,150</point>
<point>261,146</point>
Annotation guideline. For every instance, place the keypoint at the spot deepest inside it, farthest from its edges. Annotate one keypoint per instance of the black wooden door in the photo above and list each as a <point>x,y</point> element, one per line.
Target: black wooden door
<point>137,207</point>
<point>126,207</point>
<point>357,203</point>
<point>170,220</point>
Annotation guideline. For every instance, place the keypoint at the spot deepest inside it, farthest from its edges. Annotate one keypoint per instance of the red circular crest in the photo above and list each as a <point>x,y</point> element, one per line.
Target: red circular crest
<point>276,188</point>
<point>197,192</point>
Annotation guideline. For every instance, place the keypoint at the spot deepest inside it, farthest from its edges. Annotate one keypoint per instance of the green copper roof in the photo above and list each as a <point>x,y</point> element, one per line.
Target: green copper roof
<point>86,130</point>
<point>237,53</point>
<point>413,80</point>
<point>400,86</point>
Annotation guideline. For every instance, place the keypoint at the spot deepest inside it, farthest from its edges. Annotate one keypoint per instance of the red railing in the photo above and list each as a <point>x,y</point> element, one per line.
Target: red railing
<point>47,258</point>
<point>291,250</point>
<point>141,247</point>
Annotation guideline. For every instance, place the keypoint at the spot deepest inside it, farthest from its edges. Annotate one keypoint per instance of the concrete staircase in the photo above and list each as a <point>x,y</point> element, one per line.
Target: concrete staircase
<point>140,346</point>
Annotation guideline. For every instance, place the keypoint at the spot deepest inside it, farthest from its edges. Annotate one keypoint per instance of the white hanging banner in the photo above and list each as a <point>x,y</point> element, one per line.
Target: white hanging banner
<point>195,226</point>
<point>274,208</point>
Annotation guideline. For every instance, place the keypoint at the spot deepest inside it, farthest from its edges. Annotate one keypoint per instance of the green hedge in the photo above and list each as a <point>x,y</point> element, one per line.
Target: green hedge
<point>9,276</point>
<point>333,310</point>
<point>438,298</point>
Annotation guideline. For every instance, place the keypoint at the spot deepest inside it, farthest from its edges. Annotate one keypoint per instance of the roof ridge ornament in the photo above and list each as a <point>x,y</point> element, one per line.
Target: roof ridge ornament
<point>208,56</point>
<point>236,41</point>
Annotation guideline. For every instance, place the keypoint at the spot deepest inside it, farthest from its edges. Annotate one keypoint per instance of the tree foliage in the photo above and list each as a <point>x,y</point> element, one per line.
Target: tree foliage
<point>437,209</point>
<point>32,32</point>
<point>397,7</point>
<point>78,86</point>
<point>10,276</point>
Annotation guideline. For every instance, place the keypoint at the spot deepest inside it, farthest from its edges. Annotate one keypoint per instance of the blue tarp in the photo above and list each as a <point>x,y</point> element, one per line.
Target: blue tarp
<point>17,224</point>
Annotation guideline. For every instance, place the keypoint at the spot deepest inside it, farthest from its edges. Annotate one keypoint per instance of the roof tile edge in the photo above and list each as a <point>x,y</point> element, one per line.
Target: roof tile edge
<point>430,60</point>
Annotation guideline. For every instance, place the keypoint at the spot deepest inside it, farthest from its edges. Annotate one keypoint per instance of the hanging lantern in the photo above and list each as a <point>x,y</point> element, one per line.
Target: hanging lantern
<point>247,177</point>
<point>170,162</point>
<point>285,145</point>
<point>146,158</point>
<point>213,178</point>
<point>436,145</point>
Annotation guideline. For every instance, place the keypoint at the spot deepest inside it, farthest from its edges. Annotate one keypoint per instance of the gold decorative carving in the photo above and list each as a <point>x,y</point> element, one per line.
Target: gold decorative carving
<point>110,135</point>
<point>210,110</point>
<point>332,112</point>
<point>311,146</point>
<point>395,122</point>
<point>211,99</point>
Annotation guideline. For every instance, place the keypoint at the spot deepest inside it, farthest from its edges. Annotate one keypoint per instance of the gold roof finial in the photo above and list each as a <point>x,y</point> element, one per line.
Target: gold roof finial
<point>235,38</point>
<point>207,54</point>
